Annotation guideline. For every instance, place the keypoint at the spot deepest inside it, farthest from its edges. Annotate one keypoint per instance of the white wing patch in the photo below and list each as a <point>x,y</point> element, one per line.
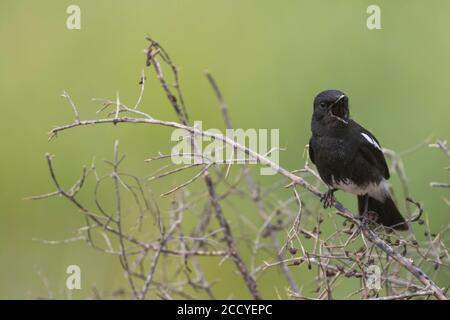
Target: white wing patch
<point>371,140</point>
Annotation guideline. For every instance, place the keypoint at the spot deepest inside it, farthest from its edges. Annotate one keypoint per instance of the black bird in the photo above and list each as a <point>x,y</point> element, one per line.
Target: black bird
<point>349,158</point>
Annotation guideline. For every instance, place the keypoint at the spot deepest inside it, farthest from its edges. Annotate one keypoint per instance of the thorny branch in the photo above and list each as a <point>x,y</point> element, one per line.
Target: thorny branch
<point>167,267</point>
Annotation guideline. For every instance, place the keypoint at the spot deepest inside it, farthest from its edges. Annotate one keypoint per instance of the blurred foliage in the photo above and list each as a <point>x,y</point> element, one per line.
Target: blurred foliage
<point>270,59</point>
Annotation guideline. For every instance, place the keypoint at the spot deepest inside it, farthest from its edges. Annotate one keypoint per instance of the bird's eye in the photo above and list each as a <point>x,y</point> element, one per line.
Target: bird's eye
<point>323,104</point>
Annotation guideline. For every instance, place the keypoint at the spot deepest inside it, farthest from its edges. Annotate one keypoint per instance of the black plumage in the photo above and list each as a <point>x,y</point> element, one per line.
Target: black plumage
<point>349,158</point>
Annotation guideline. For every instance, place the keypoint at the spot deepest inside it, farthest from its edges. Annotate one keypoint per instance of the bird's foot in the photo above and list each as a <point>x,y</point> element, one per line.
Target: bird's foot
<point>369,217</point>
<point>372,216</point>
<point>328,198</point>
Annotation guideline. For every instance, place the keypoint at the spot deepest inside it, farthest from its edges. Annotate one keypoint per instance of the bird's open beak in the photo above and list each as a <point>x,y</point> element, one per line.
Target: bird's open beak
<point>339,110</point>
<point>342,96</point>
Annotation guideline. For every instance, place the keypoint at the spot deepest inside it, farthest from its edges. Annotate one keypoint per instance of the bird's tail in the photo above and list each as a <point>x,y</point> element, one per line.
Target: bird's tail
<point>387,212</point>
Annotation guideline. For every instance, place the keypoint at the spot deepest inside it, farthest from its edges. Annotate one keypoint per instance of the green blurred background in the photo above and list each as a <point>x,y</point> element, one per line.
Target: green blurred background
<point>270,58</point>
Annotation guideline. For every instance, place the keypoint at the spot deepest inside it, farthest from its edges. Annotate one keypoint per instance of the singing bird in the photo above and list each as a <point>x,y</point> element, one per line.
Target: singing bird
<point>349,158</point>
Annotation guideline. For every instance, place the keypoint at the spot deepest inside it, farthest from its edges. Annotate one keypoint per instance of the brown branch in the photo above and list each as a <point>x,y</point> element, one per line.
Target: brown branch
<point>124,257</point>
<point>248,278</point>
<point>253,187</point>
<point>183,117</point>
<point>165,237</point>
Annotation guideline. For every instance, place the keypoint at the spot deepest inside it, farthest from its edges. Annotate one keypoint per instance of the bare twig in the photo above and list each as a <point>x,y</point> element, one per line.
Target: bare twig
<point>248,278</point>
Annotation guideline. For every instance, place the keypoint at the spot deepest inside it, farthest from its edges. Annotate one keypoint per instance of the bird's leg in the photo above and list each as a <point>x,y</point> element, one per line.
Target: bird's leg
<point>366,214</point>
<point>328,198</point>
<point>366,204</point>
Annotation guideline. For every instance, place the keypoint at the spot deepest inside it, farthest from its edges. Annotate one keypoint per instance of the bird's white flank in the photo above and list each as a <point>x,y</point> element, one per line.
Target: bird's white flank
<point>378,190</point>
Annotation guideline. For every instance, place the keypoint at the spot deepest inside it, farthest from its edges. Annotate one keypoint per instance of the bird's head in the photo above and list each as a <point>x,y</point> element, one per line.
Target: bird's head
<point>331,105</point>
